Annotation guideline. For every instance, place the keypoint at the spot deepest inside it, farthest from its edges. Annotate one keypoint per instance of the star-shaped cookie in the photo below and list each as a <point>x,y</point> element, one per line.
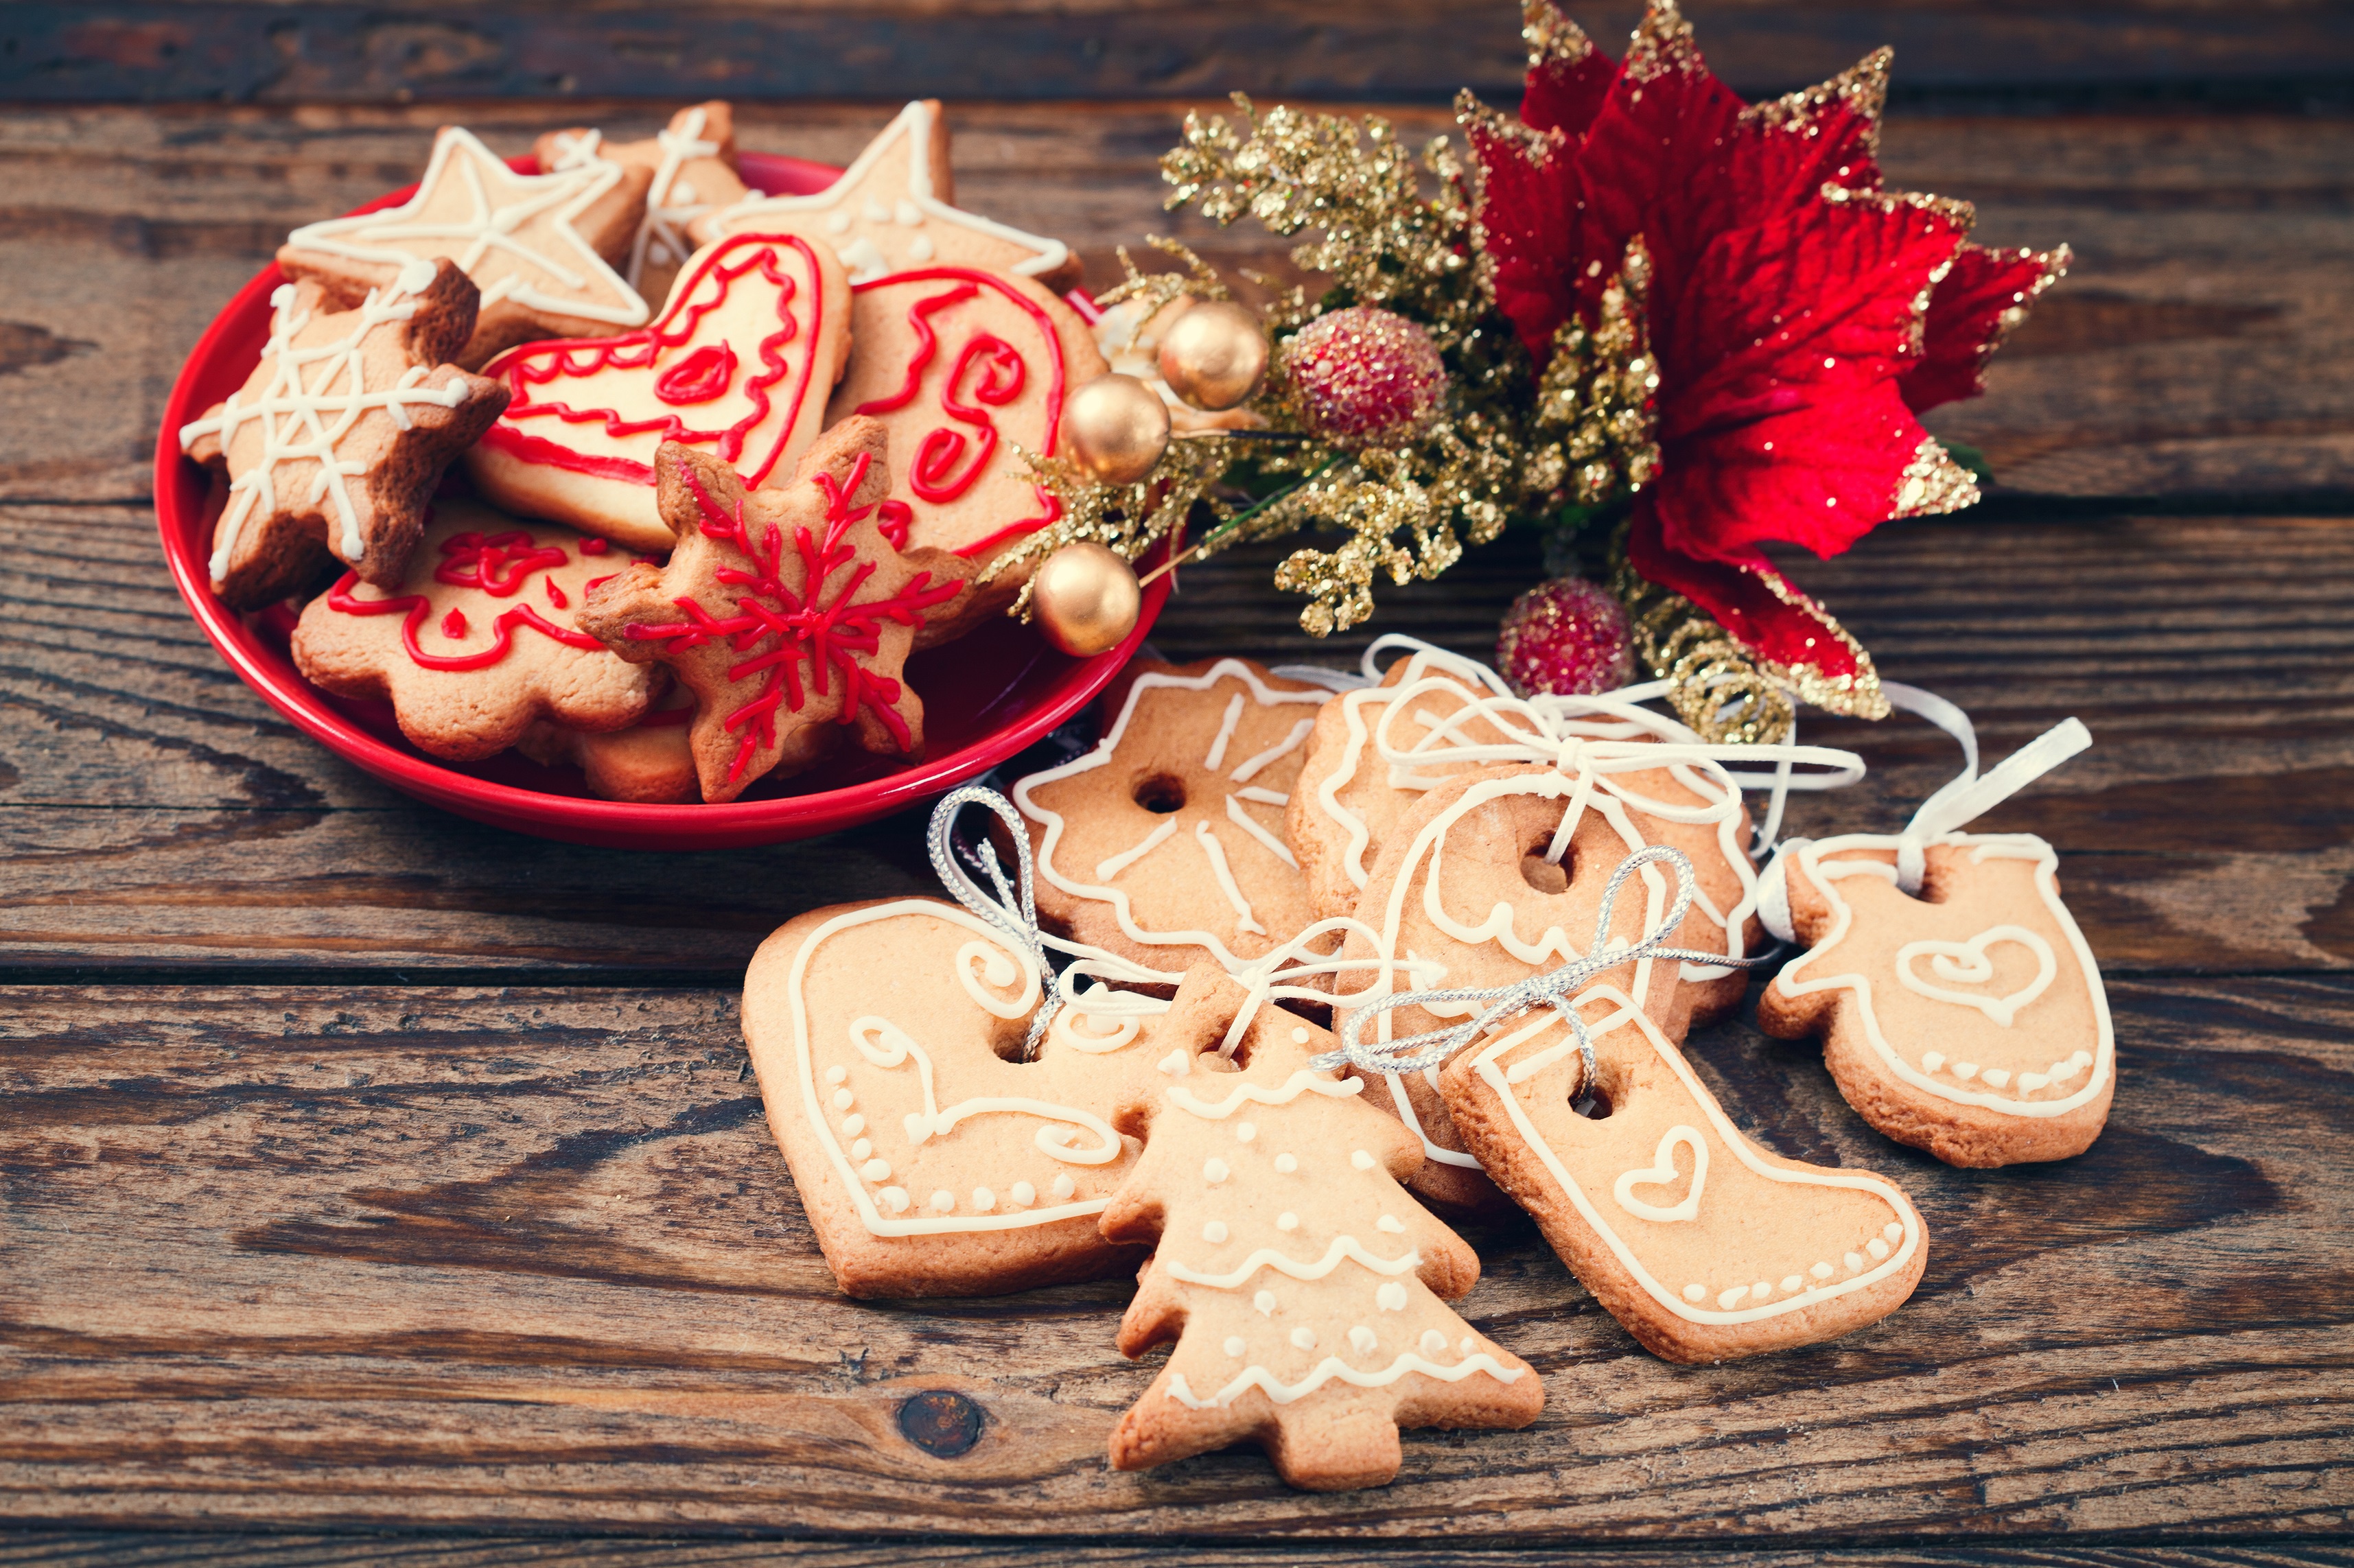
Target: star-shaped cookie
<point>477,643</point>
<point>336,441</point>
<point>892,211</point>
<point>786,611</point>
<point>540,247</point>
<point>694,163</point>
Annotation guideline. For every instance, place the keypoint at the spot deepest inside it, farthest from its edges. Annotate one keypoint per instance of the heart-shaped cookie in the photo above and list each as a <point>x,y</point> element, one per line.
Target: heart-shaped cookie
<point>931,1160</point>
<point>739,365</point>
<point>1758,1254</point>
<point>1970,1020</point>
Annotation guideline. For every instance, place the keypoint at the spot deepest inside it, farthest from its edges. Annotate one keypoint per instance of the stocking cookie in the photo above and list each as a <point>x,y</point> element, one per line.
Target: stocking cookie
<point>931,1160</point>
<point>694,164</point>
<point>478,643</point>
<point>1969,1018</point>
<point>1703,1244</point>
<point>1164,844</point>
<point>784,611</point>
<point>739,366</point>
<point>1304,1290</point>
<point>892,211</point>
<point>334,443</point>
<point>540,247</point>
<point>1496,875</point>
<point>964,366</point>
<point>650,762</point>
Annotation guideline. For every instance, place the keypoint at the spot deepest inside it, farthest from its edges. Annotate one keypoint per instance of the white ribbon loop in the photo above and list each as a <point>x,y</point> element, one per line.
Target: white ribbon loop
<point>1017,919</point>
<point>1968,796</point>
<point>1555,987</point>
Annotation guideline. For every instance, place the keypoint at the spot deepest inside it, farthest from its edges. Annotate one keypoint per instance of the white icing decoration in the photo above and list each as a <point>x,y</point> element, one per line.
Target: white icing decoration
<point>1063,1187</point>
<point>864,263</point>
<point>1225,874</point>
<point>1361,1160</point>
<point>1245,1132</point>
<point>1390,1225</point>
<point>1225,733</point>
<point>976,962</point>
<point>851,1126</point>
<point>1302,1082</point>
<point>1817,861</point>
<point>861,1150</point>
<point>844,1099</point>
<point>1695,1293</point>
<point>1237,1345</point>
<point>836,1074</point>
<point>1300,1036</point>
<point>1264,797</point>
<point>944,1201</point>
<point>301,418</point>
<point>893,1199</point>
<point>1176,1064</point>
<point>1215,1232</point>
<point>1391,1298</point>
<point>1662,1171</point>
<point>1821,1271</point>
<point>1342,1246</point>
<point>1876,1247</point>
<point>913,128</point>
<point>885,1045</point>
<point>1276,753</point>
<point>1111,867</point>
<point>1214,1171</point>
<point>1303,1338</point>
<point>1625,1012</point>
<point>920,249</point>
<point>1966,963</point>
<point>671,203</point>
<point>1264,1302</point>
<point>1024,1194</point>
<point>1362,1340</point>
<point>1331,1369</point>
<point>1434,1343</point>
<point>1286,1221</point>
<point>381,238</point>
<point>876,1170</point>
<point>1285,1164</point>
<point>1249,824</point>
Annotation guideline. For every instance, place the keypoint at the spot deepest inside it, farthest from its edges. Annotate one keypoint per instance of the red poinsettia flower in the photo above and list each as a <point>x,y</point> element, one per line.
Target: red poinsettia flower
<point>1799,317</point>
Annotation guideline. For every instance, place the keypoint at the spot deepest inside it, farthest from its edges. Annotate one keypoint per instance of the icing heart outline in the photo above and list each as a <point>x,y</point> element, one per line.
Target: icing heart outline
<point>1663,1172</point>
<point>1966,963</point>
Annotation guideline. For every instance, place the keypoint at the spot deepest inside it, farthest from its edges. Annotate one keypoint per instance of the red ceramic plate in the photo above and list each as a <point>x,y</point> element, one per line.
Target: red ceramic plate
<point>986,696</point>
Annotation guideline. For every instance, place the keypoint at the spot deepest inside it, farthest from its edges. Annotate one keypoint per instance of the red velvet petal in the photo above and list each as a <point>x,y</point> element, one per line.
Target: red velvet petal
<point>1987,293</point>
<point>1791,631</point>
<point>1567,79</point>
<point>1529,222</point>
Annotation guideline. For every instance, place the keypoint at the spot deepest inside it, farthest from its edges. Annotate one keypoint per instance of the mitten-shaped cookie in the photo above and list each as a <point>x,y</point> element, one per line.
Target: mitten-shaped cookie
<point>334,443</point>
<point>1304,1288</point>
<point>1164,844</point>
<point>784,611</point>
<point>479,645</point>
<point>1703,1244</point>
<point>1967,1019</point>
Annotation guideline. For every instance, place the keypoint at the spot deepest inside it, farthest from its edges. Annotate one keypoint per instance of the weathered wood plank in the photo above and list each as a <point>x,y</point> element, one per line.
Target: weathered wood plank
<point>422,1257</point>
<point>154,814</point>
<point>2204,346</point>
<point>164,1549</point>
<point>220,49</point>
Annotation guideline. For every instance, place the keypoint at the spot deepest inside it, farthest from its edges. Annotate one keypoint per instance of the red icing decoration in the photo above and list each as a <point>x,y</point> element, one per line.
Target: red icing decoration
<point>780,628</point>
<point>470,561</point>
<point>594,546</point>
<point>554,595</point>
<point>941,471</point>
<point>701,376</point>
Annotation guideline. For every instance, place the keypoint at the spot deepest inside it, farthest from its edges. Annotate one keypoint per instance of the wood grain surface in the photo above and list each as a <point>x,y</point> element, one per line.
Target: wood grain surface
<point>366,1173</point>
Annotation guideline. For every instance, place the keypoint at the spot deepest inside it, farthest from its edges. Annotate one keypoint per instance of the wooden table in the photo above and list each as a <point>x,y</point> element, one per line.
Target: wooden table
<point>364,1170</point>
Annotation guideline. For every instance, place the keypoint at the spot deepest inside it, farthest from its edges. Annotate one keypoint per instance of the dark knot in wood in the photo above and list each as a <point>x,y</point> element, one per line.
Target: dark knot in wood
<point>942,1424</point>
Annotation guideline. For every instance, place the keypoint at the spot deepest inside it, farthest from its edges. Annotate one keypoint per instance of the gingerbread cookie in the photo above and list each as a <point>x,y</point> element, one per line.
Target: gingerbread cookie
<point>334,443</point>
<point>933,1161</point>
<point>694,164</point>
<point>739,365</point>
<point>784,611</point>
<point>1498,874</point>
<point>892,211</point>
<point>1703,1244</point>
<point>964,366</point>
<point>1164,844</point>
<point>479,643</point>
<point>540,247</point>
<point>1304,1290</point>
<point>1969,1018</point>
<point>650,762</point>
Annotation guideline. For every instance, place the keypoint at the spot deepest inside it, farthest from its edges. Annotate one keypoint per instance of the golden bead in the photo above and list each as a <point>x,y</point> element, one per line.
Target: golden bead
<point>1115,428</point>
<point>1086,599</point>
<point>1213,356</point>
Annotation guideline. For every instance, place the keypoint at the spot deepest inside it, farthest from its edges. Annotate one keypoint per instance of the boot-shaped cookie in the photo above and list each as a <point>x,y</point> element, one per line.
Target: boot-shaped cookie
<point>1967,1020</point>
<point>1703,1244</point>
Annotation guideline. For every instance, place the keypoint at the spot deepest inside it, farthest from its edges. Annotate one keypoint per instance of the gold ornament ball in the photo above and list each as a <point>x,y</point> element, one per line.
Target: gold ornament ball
<point>1086,599</point>
<point>1213,356</point>
<point>1115,428</point>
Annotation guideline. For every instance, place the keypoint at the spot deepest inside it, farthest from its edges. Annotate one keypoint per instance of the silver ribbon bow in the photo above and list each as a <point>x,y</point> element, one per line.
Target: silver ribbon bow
<point>1015,915</point>
<point>1553,988</point>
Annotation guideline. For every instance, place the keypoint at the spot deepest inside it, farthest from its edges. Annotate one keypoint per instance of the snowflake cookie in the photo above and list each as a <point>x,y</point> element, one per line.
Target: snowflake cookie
<point>1164,846</point>
<point>1968,1020</point>
<point>1703,1244</point>
<point>1304,1288</point>
<point>479,643</point>
<point>334,443</point>
<point>786,611</point>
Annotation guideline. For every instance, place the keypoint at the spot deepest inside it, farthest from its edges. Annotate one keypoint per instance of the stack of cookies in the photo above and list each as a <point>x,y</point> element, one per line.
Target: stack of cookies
<point>625,465</point>
<point>1248,857</point>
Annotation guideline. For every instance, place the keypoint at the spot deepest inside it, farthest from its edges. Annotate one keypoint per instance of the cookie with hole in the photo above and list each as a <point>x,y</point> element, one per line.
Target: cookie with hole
<point>1704,1245</point>
<point>1498,874</point>
<point>1164,844</point>
<point>1968,1018</point>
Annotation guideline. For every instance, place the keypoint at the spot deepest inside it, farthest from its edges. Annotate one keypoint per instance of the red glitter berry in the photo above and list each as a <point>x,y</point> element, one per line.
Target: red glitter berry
<point>1366,377</point>
<point>1568,636</point>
